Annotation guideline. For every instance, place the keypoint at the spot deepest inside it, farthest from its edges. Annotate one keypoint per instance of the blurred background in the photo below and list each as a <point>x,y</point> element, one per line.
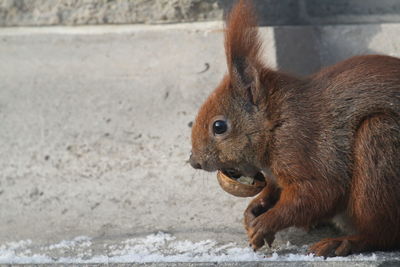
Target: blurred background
<point>97,99</point>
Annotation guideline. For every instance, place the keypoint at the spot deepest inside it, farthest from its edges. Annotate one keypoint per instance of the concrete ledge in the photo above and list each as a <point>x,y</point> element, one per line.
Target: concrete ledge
<point>278,264</point>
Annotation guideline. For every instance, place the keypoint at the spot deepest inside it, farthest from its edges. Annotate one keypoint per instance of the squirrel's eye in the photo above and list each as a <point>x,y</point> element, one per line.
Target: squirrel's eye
<point>220,127</point>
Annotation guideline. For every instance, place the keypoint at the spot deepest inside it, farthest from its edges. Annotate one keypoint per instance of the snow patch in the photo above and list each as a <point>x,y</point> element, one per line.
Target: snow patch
<point>158,247</point>
<point>65,244</point>
<point>19,253</point>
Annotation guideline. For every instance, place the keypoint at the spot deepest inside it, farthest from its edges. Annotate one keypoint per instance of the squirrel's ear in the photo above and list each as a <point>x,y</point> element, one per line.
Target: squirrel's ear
<point>245,81</point>
<point>243,47</point>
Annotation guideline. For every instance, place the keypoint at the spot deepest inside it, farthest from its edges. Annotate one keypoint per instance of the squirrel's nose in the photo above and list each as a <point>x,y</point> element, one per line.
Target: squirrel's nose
<point>195,164</point>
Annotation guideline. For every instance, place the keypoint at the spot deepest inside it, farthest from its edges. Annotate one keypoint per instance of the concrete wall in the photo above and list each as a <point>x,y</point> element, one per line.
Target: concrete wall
<point>271,12</point>
<point>304,50</point>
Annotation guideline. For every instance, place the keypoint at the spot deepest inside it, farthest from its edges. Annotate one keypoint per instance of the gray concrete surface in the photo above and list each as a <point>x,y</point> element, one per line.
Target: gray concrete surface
<point>94,135</point>
<point>271,12</point>
<point>94,132</point>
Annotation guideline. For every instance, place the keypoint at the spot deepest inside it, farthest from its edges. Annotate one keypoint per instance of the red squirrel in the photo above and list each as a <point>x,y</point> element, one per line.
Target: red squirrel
<point>331,141</point>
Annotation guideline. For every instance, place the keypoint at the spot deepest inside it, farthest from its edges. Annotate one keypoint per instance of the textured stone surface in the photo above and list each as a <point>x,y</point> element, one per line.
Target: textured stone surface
<point>81,12</point>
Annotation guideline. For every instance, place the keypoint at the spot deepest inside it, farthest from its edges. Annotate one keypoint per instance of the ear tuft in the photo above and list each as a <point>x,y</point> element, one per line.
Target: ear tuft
<point>242,41</point>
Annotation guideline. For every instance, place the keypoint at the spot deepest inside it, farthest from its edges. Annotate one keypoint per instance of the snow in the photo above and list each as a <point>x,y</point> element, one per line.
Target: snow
<point>81,240</point>
<point>158,247</point>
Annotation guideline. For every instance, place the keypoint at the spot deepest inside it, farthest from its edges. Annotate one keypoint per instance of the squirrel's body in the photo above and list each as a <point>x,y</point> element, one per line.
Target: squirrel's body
<point>331,140</point>
<point>323,112</point>
<point>322,138</point>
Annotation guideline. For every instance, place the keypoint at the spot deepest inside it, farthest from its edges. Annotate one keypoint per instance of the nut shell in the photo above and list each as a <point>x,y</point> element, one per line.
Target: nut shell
<point>238,189</point>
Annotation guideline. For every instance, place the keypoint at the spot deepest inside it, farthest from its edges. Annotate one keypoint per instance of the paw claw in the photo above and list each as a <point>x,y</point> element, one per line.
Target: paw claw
<point>344,249</point>
<point>331,247</point>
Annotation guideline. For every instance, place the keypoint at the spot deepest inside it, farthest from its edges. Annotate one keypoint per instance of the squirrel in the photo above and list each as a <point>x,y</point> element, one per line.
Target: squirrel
<point>331,141</point>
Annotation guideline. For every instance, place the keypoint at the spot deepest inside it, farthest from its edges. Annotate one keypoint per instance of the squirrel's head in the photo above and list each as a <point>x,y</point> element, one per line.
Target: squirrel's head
<point>231,130</point>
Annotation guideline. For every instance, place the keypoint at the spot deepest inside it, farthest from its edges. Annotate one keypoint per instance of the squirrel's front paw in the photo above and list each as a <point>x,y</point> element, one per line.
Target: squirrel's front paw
<point>255,209</point>
<point>259,232</point>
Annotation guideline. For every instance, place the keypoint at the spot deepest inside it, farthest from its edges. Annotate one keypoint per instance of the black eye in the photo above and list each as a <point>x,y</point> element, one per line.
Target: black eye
<point>220,127</point>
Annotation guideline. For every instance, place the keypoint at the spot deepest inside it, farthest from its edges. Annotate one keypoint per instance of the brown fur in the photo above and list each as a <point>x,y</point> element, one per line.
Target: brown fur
<point>332,140</point>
